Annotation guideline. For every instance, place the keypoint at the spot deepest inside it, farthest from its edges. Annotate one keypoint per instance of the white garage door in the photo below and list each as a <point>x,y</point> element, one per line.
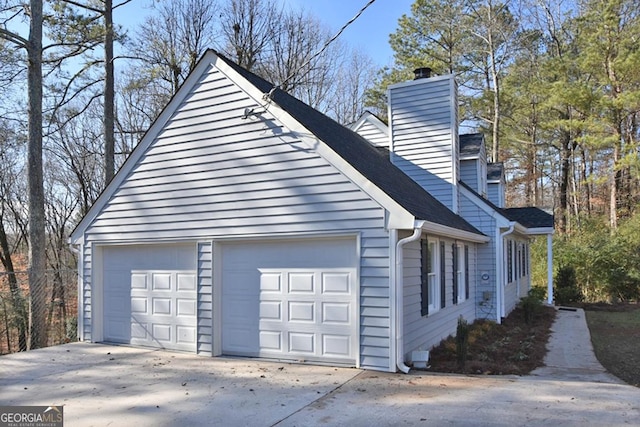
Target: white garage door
<point>150,296</point>
<point>290,300</point>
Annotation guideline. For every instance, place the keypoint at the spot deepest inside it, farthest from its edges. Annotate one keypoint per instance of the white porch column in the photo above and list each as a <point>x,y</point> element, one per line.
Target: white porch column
<point>549,269</point>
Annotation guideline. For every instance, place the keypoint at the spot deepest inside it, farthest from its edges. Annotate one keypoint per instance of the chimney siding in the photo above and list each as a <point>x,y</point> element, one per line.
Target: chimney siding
<point>423,123</point>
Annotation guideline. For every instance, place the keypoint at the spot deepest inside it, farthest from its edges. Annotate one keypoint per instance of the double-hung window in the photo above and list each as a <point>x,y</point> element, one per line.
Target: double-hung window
<point>460,260</point>
<point>430,267</point>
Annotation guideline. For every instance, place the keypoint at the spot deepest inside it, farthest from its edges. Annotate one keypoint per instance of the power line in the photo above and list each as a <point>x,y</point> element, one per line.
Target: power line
<point>318,53</point>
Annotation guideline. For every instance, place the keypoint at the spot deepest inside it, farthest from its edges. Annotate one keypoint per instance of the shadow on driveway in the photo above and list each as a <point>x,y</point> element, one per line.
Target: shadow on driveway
<point>102,385</point>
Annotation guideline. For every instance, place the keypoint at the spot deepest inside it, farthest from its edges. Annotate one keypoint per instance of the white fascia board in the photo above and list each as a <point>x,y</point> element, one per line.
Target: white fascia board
<point>419,81</point>
<point>520,228</point>
<point>151,134</point>
<point>446,231</point>
<point>398,218</point>
<point>538,231</point>
<point>368,117</point>
<point>501,220</point>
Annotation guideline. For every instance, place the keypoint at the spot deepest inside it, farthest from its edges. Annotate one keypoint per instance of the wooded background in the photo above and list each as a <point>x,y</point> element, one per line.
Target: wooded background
<point>554,86</point>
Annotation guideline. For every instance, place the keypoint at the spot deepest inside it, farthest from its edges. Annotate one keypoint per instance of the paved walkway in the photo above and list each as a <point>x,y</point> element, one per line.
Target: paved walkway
<point>570,352</point>
<point>102,385</point>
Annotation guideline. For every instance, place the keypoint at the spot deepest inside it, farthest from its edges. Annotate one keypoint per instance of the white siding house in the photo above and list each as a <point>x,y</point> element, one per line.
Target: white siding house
<point>423,134</point>
<point>247,223</point>
<point>256,227</point>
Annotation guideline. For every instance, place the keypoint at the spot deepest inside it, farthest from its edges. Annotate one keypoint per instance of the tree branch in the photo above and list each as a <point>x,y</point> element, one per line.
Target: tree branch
<point>121,4</point>
<point>84,6</point>
<point>14,38</point>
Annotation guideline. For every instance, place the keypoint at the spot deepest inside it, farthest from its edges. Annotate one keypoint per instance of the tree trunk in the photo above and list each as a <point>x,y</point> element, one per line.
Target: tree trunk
<point>565,165</point>
<point>18,307</point>
<point>613,189</point>
<point>109,139</point>
<point>37,245</point>
<point>586,183</point>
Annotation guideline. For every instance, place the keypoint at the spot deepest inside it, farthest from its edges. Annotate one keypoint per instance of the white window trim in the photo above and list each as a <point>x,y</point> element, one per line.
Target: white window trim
<point>460,272</point>
<point>434,276</point>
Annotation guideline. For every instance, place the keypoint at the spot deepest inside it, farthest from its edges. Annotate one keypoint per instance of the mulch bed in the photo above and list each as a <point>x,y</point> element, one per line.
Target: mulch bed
<point>512,347</point>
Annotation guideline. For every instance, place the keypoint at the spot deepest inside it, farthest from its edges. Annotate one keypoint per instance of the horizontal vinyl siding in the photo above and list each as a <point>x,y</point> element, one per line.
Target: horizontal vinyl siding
<point>374,135</point>
<point>205,298</point>
<point>86,293</point>
<point>495,193</point>
<point>423,124</point>
<point>469,173</point>
<point>211,174</point>
<point>425,332</point>
<point>486,259</point>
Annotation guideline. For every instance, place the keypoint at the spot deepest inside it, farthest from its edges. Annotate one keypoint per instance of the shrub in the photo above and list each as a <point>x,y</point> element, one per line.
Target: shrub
<point>462,341</point>
<point>539,293</point>
<point>531,304</point>
<point>565,285</point>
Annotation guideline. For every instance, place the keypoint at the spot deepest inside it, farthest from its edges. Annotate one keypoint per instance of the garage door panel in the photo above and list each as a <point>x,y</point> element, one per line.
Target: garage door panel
<point>156,289</point>
<point>301,283</point>
<point>162,333</point>
<point>185,334</point>
<point>271,282</point>
<point>271,340</point>
<point>138,281</point>
<point>139,331</point>
<point>271,310</point>
<point>302,311</point>
<point>336,283</point>
<point>336,313</point>
<point>139,306</point>
<point>161,281</point>
<point>186,307</point>
<point>336,345</point>
<point>290,300</point>
<point>302,343</point>
<point>186,282</point>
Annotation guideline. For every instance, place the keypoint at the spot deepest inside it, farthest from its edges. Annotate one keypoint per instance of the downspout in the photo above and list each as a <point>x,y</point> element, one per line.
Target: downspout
<point>80,314</point>
<point>399,294</point>
<point>549,269</point>
<point>500,273</point>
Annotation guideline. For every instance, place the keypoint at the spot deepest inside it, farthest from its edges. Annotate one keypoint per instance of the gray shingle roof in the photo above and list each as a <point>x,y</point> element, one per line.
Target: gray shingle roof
<point>530,217</point>
<point>362,156</point>
<point>495,171</point>
<point>470,144</point>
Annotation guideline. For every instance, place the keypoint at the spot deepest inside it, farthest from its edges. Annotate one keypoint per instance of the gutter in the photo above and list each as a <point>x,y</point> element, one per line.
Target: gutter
<point>500,273</point>
<point>398,275</point>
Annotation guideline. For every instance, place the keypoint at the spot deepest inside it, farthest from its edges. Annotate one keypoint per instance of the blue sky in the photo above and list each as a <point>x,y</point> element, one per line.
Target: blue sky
<point>370,32</point>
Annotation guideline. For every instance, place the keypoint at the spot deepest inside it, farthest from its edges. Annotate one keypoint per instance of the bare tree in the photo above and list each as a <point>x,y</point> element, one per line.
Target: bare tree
<point>248,28</point>
<point>12,229</point>
<point>355,77</point>
<point>171,41</point>
<point>32,45</point>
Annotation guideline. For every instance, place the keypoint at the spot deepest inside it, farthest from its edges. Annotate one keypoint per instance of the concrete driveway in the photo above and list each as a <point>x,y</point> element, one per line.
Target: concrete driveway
<point>102,385</point>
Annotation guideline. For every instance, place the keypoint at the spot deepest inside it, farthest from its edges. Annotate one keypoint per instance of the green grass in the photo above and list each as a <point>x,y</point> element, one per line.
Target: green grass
<point>615,334</point>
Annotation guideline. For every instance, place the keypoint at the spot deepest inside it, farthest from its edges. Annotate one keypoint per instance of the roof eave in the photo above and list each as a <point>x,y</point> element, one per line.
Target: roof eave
<point>432,227</point>
<point>539,231</point>
<point>398,217</point>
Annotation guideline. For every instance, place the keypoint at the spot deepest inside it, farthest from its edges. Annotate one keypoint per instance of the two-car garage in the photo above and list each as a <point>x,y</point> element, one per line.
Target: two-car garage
<point>285,299</point>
